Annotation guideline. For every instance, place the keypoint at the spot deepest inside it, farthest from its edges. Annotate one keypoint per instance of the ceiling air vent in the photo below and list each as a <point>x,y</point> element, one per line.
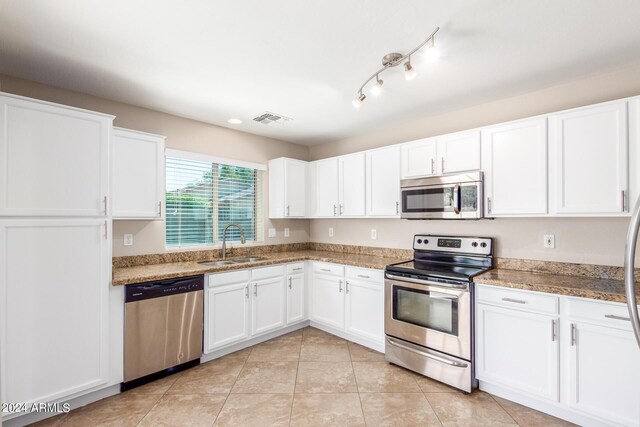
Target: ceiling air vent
<point>268,118</point>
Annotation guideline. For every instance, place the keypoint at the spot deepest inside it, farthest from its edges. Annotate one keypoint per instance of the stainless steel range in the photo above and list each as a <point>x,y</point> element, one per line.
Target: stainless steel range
<point>429,307</point>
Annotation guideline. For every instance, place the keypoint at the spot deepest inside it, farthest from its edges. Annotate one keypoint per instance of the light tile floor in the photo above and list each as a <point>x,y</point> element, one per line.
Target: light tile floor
<point>305,378</point>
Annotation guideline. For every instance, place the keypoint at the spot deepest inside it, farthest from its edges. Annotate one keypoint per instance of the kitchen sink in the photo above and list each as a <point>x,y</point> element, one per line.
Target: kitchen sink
<point>217,263</point>
<point>223,262</point>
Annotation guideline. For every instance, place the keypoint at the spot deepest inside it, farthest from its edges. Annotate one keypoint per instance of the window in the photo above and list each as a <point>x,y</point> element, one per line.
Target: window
<point>204,196</point>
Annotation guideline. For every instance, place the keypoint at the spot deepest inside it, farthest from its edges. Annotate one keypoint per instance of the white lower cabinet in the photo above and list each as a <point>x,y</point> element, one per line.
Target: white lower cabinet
<point>349,300</point>
<point>243,304</point>
<point>518,349</point>
<point>582,364</point>
<point>268,306</point>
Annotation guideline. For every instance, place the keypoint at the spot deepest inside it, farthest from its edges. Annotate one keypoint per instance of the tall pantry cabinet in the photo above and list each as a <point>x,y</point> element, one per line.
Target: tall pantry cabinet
<point>61,318</point>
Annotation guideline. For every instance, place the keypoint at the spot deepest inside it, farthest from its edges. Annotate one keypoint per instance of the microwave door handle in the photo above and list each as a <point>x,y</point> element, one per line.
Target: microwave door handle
<point>456,199</point>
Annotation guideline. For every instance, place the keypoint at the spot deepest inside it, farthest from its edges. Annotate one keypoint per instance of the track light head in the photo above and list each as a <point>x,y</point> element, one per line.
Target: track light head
<point>357,101</point>
<point>376,89</point>
<point>409,72</point>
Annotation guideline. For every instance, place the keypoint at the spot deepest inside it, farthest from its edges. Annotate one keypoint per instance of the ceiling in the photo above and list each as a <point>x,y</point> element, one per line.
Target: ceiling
<point>214,60</point>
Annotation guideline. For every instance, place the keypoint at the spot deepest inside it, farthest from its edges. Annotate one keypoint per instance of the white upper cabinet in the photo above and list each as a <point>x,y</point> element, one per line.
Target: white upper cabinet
<point>287,188</point>
<point>138,175</point>
<point>326,187</point>
<point>351,185</point>
<point>458,152</point>
<point>39,141</point>
<point>383,182</point>
<point>634,152</point>
<point>418,158</point>
<point>514,160</point>
<point>588,160</point>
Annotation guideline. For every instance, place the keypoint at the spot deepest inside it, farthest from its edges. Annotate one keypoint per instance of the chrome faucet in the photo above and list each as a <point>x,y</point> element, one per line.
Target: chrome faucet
<point>224,238</point>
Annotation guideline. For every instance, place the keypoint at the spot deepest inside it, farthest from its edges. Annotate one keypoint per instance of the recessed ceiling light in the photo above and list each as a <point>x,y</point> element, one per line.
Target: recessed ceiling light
<point>235,121</point>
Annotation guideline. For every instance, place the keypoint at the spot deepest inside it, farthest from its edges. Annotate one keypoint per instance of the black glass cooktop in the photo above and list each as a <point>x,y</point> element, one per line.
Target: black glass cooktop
<point>435,269</point>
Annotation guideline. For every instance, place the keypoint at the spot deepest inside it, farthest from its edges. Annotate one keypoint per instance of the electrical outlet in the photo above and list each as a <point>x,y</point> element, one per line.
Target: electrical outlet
<point>272,232</point>
<point>330,231</point>
<point>374,234</point>
<point>549,241</point>
<point>128,239</point>
<point>286,232</point>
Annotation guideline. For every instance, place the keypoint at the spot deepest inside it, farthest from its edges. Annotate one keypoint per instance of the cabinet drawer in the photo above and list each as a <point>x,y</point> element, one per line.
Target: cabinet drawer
<point>267,272</point>
<point>239,276</point>
<point>326,268</point>
<point>605,313</point>
<point>522,300</point>
<point>367,274</point>
<point>296,268</point>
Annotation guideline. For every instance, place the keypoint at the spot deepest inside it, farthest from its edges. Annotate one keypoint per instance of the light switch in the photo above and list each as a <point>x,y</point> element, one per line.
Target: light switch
<point>374,234</point>
<point>330,231</point>
<point>272,232</point>
<point>286,232</point>
<point>549,241</point>
<point>128,239</point>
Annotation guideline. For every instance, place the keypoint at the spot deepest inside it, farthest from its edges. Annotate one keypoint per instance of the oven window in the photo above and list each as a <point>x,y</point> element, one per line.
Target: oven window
<point>432,310</point>
<point>428,200</point>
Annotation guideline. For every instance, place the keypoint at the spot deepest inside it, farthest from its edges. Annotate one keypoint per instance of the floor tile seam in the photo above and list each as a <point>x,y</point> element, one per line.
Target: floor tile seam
<point>149,411</point>
<point>503,408</point>
<point>432,408</point>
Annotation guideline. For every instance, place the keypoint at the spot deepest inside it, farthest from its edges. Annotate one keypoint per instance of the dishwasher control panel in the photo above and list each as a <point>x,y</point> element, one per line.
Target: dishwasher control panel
<point>161,288</point>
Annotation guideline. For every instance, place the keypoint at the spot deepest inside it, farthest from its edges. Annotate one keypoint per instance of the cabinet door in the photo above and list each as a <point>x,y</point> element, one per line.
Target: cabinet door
<point>138,175</point>
<point>588,160</point>
<point>295,183</point>
<point>227,315</point>
<point>418,158</point>
<point>55,160</point>
<point>514,160</point>
<point>605,373</point>
<point>352,185</point>
<point>365,309</point>
<point>634,152</point>
<point>295,298</point>
<point>268,307</point>
<point>328,300</point>
<point>54,300</point>
<point>459,152</point>
<point>383,182</point>
<point>518,350</point>
<point>326,178</point>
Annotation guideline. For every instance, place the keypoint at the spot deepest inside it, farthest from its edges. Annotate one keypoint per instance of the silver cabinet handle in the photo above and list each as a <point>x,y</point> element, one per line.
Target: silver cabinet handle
<point>347,286</point>
<point>442,163</point>
<point>160,208</point>
<point>397,208</point>
<point>325,269</point>
<point>489,204</point>
<point>106,230</point>
<point>554,330</point>
<point>106,210</point>
<point>288,210</point>
<point>341,209</point>
<point>517,301</point>
<point>433,166</point>
<point>334,210</point>
<point>428,355</point>
<point>255,289</point>
<point>290,283</point>
<point>362,276</point>
<point>246,291</point>
<point>613,316</point>
<point>573,334</point>
<point>340,286</point>
<point>297,269</point>
<point>623,201</point>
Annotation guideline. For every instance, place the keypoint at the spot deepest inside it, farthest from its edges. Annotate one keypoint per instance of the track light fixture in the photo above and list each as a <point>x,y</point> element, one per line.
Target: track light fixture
<point>393,59</point>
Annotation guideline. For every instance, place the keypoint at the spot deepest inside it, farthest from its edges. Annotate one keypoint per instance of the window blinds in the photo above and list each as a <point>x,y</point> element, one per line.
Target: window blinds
<point>203,197</point>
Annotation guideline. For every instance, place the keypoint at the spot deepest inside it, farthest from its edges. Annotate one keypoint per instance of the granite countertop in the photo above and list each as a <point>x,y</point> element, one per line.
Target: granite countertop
<point>555,283</point>
<point>150,272</point>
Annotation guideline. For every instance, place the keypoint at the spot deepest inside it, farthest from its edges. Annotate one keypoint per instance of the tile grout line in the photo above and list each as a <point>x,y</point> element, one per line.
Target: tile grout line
<point>232,385</point>
<point>295,384</point>
<point>429,403</point>
<point>504,409</point>
<point>355,379</point>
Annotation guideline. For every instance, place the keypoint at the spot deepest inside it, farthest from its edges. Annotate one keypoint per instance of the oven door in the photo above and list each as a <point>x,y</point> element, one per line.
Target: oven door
<point>442,201</point>
<point>429,314</point>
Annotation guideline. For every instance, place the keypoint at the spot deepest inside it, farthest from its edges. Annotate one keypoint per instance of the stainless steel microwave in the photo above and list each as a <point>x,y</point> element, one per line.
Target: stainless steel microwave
<point>443,197</point>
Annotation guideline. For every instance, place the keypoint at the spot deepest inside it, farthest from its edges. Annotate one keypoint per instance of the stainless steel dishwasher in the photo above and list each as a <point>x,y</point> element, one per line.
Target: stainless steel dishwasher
<point>163,328</point>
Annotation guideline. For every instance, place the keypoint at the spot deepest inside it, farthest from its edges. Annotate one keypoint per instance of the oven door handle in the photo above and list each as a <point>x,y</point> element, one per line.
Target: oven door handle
<point>428,355</point>
<point>456,198</point>
<point>427,282</point>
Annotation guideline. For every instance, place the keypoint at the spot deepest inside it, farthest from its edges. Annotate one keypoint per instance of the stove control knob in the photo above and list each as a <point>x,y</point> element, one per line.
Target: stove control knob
<point>474,244</point>
<point>483,244</point>
<point>426,241</point>
<point>419,241</point>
